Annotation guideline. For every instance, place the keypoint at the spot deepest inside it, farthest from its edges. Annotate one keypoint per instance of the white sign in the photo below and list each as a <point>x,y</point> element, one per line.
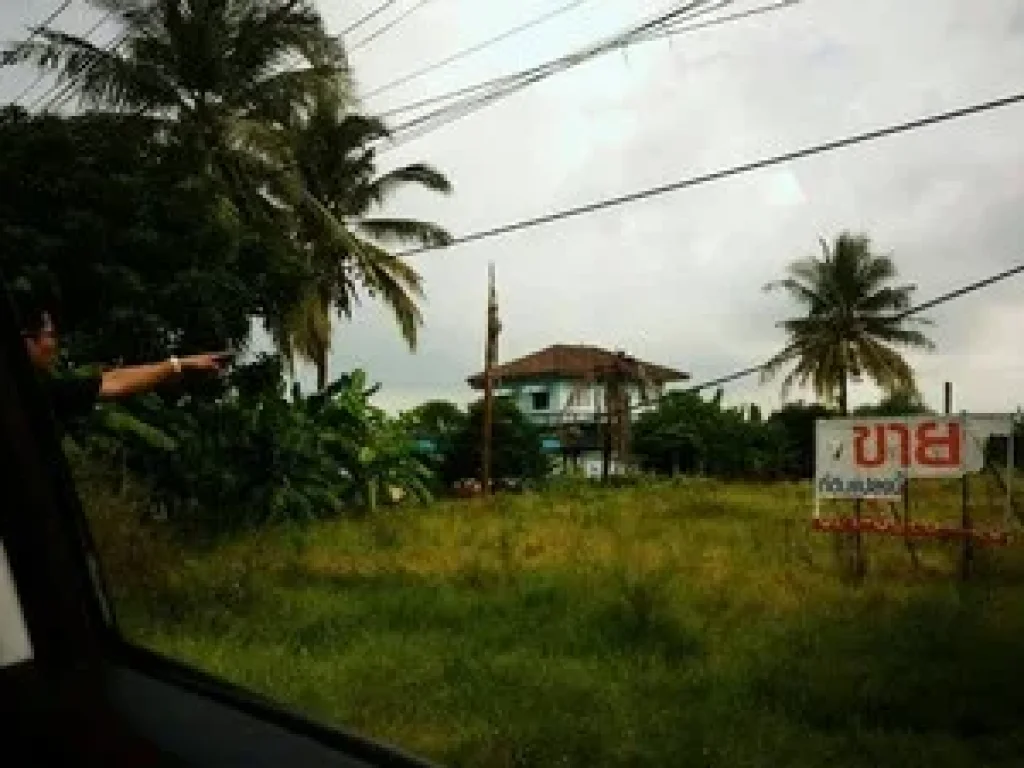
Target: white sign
<point>874,457</point>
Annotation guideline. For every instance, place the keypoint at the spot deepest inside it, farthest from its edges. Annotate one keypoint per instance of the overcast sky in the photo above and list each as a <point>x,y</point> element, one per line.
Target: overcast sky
<point>677,280</point>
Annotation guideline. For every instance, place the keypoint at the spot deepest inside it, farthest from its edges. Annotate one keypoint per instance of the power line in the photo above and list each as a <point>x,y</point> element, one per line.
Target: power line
<point>45,22</point>
<point>25,91</point>
<point>957,293</point>
<point>67,87</point>
<point>666,31</point>
<point>67,91</point>
<point>670,30</point>
<point>509,84</point>
<point>368,17</point>
<point>412,106</point>
<point>666,25</point>
<point>387,27</point>
<point>736,170</point>
<point>54,14</point>
<point>476,48</point>
<point>942,299</point>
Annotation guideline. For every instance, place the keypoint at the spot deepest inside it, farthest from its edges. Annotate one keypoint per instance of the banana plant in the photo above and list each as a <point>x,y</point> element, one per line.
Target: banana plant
<point>373,451</point>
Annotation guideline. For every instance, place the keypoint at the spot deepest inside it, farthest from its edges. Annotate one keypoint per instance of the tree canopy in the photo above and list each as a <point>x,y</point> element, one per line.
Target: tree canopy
<point>517,446</point>
<point>853,322</point>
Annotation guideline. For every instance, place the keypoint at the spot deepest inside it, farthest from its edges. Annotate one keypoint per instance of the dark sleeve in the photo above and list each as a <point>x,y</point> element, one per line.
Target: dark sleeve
<point>73,398</point>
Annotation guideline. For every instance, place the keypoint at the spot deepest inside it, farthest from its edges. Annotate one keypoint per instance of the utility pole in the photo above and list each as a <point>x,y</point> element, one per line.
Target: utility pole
<point>490,358</point>
<point>967,552</point>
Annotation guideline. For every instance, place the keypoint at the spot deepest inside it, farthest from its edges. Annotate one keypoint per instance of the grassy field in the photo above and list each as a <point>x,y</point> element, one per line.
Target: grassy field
<point>688,623</point>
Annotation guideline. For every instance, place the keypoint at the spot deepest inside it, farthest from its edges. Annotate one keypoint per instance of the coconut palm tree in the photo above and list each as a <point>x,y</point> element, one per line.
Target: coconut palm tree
<point>224,77</point>
<point>242,88</point>
<point>336,158</point>
<point>222,82</point>
<point>853,322</point>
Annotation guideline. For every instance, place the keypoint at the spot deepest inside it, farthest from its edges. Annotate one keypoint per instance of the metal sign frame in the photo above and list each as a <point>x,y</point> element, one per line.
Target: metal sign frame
<point>877,480</point>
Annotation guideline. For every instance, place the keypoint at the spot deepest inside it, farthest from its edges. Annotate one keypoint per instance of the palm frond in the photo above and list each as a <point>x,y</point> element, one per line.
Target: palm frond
<point>875,272</point>
<point>888,298</point>
<point>886,367</point>
<point>282,95</point>
<point>309,328</point>
<point>906,337</point>
<point>771,368</point>
<point>266,32</point>
<point>419,173</point>
<point>803,292</point>
<point>355,130</point>
<point>101,75</point>
<point>276,327</point>
<point>396,284</point>
<point>406,231</point>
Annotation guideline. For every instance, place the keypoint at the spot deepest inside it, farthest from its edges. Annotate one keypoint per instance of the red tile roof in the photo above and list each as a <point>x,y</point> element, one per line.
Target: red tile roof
<point>567,361</point>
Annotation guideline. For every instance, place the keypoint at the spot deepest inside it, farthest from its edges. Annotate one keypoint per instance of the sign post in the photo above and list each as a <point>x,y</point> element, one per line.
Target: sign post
<point>967,555</point>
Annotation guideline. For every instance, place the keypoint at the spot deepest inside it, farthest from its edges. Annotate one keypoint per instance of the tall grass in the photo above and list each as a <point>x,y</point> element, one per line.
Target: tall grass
<point>682,623</point>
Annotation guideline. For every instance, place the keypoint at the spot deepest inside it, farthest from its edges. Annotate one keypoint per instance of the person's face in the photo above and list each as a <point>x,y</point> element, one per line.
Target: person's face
<point>42,346</point>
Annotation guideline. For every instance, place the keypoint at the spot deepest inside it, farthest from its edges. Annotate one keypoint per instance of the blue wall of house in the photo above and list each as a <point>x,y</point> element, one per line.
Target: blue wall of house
<point>559,391</point>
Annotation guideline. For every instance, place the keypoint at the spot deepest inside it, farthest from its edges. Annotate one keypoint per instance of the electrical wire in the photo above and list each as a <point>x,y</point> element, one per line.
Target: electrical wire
<point>892,129</point>
<point>52,17</point>
<point>368,17</point>
<point>387,27</point>
<point>475,48</point>
<point>45,22</point>
<point>667,25</point>
<point>517,81</point>
<point>669,31</point>
<point>61,99</point>
<point>68,86</point>
<point>938,300</point>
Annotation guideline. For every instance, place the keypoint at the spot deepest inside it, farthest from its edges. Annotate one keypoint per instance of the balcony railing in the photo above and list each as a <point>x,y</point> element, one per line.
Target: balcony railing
<point>564,418</point>
<point>560,419</point>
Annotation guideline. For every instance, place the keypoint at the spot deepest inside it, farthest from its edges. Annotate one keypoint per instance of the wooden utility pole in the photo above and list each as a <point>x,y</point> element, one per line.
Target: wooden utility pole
<point>967,553</point>
<point>490,358</point>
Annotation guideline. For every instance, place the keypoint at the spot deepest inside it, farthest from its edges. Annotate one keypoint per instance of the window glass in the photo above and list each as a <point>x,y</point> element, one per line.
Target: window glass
<point>306,515</point>
<point>15,646</point>
<point>582,396</point>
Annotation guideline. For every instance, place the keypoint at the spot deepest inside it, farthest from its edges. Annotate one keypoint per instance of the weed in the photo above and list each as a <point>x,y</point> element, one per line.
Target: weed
<point>688,622</point>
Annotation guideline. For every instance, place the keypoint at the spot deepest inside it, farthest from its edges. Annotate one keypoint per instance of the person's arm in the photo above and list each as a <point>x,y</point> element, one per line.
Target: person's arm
<point>121,382</point>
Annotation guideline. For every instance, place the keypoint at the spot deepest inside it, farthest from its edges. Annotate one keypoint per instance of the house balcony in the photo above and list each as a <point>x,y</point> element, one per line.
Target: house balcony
<point>552,419</point>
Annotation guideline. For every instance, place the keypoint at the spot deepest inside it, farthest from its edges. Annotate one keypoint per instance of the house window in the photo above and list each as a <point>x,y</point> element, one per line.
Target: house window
<point>540,401</point>
<point>581,397</point>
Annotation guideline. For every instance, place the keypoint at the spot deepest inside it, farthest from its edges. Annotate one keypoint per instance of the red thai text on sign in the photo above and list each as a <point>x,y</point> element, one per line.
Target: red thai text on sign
<point>931,444</point>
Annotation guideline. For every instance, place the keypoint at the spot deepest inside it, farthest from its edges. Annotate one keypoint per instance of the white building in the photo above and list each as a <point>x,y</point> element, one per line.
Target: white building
<point>569,390</point>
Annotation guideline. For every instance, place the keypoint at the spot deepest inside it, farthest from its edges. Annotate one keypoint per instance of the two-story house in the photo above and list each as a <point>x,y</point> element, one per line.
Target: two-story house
<point>565,390</point>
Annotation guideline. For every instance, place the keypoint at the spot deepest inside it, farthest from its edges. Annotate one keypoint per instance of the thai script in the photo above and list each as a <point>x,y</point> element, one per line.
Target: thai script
<point>931,444</point>
<point>862,486</point>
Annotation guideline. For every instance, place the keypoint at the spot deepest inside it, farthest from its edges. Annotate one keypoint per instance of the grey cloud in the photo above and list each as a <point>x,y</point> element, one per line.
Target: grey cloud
<point>678,279</point>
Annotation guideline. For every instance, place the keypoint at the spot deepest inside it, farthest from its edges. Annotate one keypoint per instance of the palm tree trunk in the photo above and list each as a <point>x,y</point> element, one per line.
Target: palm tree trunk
<point>321,374</point>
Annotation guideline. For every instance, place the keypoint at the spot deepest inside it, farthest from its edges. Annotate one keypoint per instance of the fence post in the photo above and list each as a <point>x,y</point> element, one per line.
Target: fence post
<point>909,543</point>
<point>858,552</point>
<point>967,555</point>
